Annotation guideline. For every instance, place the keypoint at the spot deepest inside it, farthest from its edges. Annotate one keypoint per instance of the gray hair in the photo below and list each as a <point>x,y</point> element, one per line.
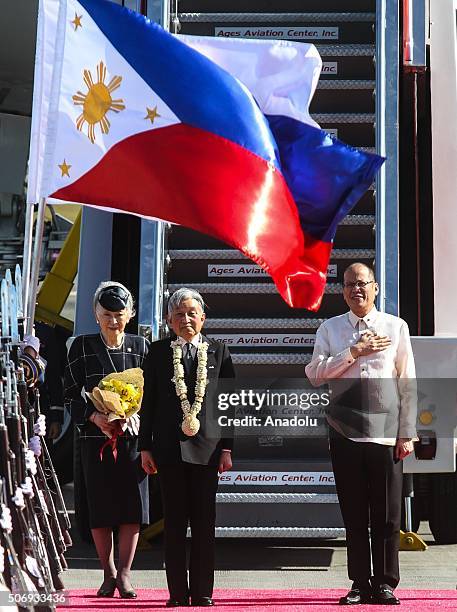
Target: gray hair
<point>104,285</point>
<point>184,294</point>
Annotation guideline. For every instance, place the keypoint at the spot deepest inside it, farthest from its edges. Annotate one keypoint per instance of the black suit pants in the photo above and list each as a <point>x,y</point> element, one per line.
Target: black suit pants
<point>189,497</point>
<point>369,486</point>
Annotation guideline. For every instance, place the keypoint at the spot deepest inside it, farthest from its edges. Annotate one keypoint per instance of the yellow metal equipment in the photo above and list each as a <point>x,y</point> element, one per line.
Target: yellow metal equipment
<point>59,281</point>
<point>411,541</point>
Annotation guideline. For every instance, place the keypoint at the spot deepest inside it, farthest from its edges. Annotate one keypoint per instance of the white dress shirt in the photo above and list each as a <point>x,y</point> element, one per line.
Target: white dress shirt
<point>332,359</point>
<point>195,341</point>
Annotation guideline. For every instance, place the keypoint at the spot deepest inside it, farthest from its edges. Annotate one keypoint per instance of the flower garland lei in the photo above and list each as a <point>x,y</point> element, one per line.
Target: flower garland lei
<point>190,424</point>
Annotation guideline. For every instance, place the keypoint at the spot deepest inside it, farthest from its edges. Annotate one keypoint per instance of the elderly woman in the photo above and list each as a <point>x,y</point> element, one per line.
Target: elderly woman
<point>117,493</point>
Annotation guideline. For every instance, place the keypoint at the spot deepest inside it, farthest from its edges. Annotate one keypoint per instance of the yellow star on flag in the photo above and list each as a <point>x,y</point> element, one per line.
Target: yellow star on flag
<point>77,21</point>
<point>151,113</point>
<point>65,168</point>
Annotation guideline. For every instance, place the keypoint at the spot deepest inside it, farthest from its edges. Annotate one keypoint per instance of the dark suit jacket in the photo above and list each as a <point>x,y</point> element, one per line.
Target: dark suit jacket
<point>161,414</point>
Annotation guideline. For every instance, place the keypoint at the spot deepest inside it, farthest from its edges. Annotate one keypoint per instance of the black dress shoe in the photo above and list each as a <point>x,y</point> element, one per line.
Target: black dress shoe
<point>108,587</point>
<point>356,596</point>
<point>202,601</point>
<point>177,603</point>
<point>126,593</point>
<point>384,595</point>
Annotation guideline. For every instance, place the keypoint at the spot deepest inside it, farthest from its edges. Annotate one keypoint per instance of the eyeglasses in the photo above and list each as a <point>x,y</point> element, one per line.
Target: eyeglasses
<point>358,284</point>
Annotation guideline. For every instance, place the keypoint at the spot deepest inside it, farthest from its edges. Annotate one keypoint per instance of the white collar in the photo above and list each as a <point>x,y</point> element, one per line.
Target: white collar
<point>195,340</point>
<point>369,318</point>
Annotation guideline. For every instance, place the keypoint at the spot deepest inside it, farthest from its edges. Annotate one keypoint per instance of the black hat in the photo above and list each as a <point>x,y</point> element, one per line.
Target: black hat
<point>114,298</point>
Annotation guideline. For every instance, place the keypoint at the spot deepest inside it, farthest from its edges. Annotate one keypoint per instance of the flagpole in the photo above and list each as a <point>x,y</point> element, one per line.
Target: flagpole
<point>165,15</point>
<point>36,261</point>
<point>152,295</point>
<point>27,257</point>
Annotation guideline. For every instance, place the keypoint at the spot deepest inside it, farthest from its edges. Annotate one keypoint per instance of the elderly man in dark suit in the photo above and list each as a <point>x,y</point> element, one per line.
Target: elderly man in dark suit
<point>175,440</point>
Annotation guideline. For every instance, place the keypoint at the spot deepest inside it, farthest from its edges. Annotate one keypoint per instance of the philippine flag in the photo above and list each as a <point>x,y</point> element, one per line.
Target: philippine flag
<point>208,133</point>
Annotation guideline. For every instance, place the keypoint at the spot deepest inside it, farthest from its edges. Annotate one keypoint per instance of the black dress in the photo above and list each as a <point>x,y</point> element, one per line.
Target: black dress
<point>117,491</point>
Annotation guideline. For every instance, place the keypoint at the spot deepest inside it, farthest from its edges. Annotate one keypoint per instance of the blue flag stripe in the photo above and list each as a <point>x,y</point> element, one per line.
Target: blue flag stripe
<point>325,176</point>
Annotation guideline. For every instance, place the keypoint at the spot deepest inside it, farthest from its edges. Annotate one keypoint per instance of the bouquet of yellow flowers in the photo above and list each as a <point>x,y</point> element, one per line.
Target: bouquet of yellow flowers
<point>119,394</point>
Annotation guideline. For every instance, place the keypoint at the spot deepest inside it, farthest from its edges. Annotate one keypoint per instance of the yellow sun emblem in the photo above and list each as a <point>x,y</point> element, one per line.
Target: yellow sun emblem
<point>97,102</point>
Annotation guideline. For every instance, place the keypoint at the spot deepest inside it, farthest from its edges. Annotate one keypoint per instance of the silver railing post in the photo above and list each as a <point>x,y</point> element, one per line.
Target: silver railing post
<point>387,198</point>
<point>152,251</point>
<point>27,257</point>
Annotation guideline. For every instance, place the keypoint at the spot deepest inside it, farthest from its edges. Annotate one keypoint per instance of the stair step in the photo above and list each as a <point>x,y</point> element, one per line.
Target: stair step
<point>359,220</point>
<point>346,50</point>
<point>330,118</point>
<point>276,498</point>
<point>270,358</point>
<point>254,323</point>
<point>352,84</point>
<point>228,254</point>
<point>276,17</point>
<point>245,288</point>
<point>18,240</point>
<point>280,532</point>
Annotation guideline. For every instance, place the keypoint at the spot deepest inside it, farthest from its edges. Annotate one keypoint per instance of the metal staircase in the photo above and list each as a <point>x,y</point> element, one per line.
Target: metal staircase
<point>241,298</point>
<point>11,249</point>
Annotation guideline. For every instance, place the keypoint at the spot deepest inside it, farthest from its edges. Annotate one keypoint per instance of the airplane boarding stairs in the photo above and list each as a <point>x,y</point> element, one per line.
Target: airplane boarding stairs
<point>242,301</point>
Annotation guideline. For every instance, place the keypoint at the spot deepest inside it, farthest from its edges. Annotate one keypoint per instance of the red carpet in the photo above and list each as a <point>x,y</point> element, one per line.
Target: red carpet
<point>255,600</point>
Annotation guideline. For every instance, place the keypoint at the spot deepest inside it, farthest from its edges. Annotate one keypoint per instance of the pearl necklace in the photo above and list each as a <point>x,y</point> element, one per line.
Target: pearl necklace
<point>112,348</point>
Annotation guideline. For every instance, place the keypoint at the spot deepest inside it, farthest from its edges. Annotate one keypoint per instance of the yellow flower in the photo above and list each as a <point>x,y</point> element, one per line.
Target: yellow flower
<point>119,394</point>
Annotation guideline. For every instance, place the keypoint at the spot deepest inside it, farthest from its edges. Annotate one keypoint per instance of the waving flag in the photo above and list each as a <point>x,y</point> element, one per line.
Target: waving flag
<point>208,133</point>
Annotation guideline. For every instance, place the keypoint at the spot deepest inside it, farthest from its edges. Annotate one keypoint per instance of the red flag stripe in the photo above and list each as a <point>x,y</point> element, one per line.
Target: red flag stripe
<point>188,176</point>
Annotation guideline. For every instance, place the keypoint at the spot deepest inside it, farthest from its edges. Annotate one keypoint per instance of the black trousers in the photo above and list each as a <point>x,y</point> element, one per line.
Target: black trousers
<point>369,486</point>
<point>189,497</point>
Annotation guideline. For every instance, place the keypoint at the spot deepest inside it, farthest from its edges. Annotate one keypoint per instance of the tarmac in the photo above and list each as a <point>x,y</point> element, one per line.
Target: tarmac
<point>246,563</point>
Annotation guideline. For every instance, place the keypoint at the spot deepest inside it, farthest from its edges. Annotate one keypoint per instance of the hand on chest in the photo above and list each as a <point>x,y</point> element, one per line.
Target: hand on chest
<point>341,341</point>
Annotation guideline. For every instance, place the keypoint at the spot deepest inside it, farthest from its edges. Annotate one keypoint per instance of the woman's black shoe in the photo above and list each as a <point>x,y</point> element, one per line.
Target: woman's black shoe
<point>126,593</point>
<point>108,587</point>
